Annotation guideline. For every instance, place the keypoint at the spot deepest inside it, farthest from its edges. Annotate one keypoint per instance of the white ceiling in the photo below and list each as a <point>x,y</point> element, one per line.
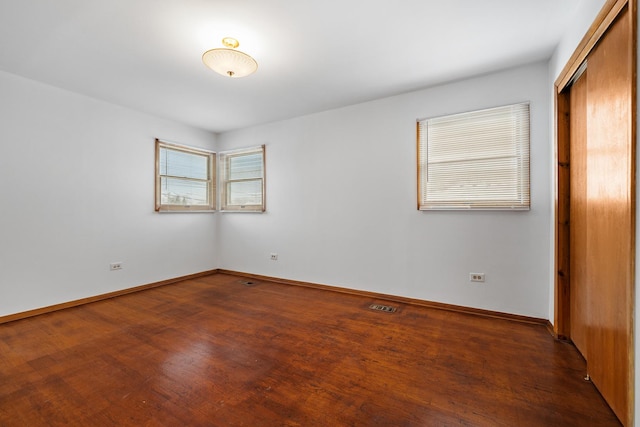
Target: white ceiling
<point>313,55</point>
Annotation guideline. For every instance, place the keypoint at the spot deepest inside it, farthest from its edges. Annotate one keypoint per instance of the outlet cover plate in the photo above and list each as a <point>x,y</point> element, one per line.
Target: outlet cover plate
<point>476,277</point>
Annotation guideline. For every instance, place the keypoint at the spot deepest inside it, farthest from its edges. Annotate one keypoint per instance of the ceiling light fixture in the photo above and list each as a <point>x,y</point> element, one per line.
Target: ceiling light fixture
<point>228,61</point>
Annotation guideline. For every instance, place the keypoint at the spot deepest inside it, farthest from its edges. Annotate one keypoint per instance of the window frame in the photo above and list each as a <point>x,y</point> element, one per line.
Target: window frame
<point>224,161</point>
<point>210,181</point>
<point>519,138</point>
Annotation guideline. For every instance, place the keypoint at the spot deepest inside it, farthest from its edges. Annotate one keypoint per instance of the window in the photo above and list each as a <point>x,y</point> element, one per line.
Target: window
<point>242,180</point>
<point>185,178</point>
<point>476,160</point>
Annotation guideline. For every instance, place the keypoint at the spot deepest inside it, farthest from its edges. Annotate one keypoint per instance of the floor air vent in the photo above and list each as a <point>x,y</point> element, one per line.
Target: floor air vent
<point>385,308</point>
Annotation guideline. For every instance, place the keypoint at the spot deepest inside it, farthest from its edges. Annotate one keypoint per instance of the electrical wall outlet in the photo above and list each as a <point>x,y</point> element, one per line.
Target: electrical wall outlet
<point>476,277</point>
<point>115,266</point>
<point>274,256</point>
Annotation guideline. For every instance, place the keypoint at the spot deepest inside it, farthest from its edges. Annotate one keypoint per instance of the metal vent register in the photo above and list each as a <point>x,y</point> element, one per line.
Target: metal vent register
<point>385,308</point>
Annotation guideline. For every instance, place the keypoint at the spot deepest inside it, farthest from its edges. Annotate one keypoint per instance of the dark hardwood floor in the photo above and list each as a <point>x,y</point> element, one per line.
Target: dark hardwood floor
<point>214,352</point>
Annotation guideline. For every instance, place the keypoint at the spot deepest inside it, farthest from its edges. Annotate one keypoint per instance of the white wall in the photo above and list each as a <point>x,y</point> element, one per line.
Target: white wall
<point>341,204</point>
<point>76,193</point>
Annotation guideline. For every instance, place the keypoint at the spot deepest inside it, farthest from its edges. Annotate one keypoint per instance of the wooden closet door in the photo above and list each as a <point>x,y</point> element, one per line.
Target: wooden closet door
<point>610,216</point>
<point>579,310</point>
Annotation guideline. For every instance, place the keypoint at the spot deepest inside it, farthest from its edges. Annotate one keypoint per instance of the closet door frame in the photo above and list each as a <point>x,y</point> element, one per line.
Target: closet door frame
<point>562,216</point>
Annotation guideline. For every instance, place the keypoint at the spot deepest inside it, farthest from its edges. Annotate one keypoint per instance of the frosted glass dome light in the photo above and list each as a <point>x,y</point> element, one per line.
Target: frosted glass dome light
<point>228,61</point>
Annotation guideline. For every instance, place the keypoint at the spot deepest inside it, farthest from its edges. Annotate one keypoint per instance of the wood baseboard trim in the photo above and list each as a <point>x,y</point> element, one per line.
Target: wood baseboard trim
<point>552,331</point>
<point>75,303</point>
<point>397,299</point>
<point>368,294</point>
<point>555,334</point>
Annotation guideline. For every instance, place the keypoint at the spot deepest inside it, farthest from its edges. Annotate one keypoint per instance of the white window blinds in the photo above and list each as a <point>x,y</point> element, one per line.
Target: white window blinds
<point>475,160</point>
